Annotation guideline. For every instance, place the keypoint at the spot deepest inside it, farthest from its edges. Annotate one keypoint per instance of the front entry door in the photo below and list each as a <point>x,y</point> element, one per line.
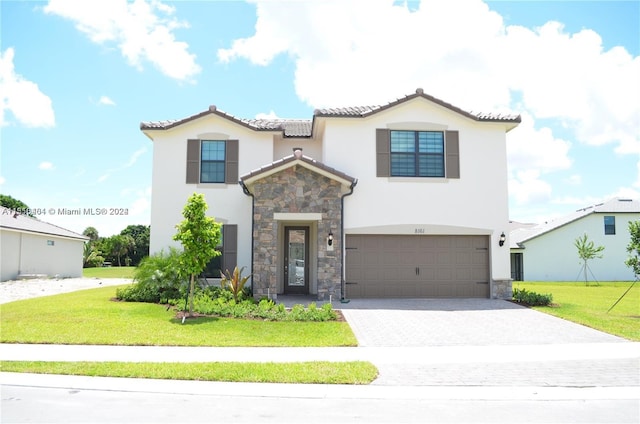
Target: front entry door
<point>296,260</point>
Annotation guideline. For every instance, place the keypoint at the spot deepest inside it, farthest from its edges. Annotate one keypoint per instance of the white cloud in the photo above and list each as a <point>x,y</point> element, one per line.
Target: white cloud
<point>574,180</point>
<point>104,100</point>
<point>134,157</point>
<point>140,206</point>
<point>2,180</point>
<point>143,31</point>
<point>22,97</point>
<point>527,187</point>
<point>270,115</point>
<point>461,52</point>
<point>532,148</point>
<point>46,166</point>
<point>132,161</point>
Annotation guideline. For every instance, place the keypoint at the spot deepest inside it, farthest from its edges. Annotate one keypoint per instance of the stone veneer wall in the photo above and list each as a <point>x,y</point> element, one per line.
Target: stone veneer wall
<point>502,289</point>
<point>296,190</point>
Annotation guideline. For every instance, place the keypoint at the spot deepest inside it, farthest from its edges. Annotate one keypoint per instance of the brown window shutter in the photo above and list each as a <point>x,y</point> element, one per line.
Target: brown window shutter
<point>193,161</point>
<point>231,162</point>
<point>452,149</point>
<point>229,247</point>
<point>383,153</point>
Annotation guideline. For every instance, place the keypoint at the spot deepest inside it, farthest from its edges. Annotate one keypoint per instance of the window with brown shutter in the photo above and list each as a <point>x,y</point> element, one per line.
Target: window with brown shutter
<point>212,161</point>
<point>417,153</point>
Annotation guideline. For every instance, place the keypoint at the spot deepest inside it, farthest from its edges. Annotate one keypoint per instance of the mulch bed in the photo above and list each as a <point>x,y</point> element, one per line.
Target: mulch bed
<point>184,314</point>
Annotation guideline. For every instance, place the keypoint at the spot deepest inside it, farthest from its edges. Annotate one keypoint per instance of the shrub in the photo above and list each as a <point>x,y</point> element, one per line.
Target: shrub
<point>156,280</point>
<point>219,302</point>
<point>531,298</point>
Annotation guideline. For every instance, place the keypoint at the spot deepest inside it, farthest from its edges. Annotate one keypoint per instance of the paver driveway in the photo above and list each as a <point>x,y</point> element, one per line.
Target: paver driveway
<point>460,322</point>
<point>486,342</point>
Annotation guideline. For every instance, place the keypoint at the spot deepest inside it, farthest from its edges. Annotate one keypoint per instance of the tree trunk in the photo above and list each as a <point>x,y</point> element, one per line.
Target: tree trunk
<point>192,287</point>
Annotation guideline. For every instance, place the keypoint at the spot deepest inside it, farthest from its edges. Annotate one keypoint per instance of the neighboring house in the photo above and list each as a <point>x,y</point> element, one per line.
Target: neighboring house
<point>407,199</point>
<point>31,247</point>
<point>547,252</point>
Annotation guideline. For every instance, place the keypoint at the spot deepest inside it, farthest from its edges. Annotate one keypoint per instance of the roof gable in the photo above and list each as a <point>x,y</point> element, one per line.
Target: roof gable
<point>289,127</point>
<point>364,111</point>
<point>296,159</point>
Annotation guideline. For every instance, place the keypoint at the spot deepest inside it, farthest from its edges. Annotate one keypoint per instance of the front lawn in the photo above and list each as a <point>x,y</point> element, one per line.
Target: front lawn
<point>109,272</point>
<point>321,372</point>
<point>588,305</point>
<point>91,317</point>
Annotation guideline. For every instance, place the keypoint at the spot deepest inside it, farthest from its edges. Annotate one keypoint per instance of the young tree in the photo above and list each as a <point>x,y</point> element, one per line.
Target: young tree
<point>587,251</point>
<point>633,248</point>
<point>633,261</point>
<point>199,235</point>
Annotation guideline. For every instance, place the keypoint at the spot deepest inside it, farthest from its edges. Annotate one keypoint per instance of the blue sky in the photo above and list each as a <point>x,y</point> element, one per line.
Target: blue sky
<point>78,77</point>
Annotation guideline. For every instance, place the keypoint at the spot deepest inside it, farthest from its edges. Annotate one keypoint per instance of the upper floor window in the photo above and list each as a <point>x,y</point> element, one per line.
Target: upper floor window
<point>212,161</point>
<point>404,153</point>
<point>417,154</point>
<point>609,224</point>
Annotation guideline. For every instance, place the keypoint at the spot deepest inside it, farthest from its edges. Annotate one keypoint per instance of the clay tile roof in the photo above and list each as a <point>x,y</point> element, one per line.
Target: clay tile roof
<point>304,127</point>
<point>289,127</point>
<point>362,111</point>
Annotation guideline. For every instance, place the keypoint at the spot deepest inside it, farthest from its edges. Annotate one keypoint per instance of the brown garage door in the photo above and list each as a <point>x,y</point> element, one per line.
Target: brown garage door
<point>379,266</point>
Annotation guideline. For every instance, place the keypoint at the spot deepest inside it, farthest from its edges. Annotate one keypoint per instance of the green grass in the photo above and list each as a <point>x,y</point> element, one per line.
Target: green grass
<point>588,305</point>
<point>90,317</point>
<point>356,372</point>
<point>109,272</point>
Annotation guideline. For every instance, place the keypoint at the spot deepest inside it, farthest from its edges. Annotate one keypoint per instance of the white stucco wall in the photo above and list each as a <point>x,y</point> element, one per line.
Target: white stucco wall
<point>227,202</point>
<point>28,253</point>
<point>554,257</point>
<point>474,204</point>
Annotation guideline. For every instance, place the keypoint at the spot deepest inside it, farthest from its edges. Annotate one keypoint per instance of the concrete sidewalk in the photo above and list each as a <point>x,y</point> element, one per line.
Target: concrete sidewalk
<point>566,365</point>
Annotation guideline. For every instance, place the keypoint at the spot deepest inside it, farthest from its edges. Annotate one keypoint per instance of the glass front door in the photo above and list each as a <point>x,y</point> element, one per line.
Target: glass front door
<point>296,260</point>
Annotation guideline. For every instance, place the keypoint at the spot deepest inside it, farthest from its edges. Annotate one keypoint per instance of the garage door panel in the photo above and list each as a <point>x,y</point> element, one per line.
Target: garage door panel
<point>417,266</point>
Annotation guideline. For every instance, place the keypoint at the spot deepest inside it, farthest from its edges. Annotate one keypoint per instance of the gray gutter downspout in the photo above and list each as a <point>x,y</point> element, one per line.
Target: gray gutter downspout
<point>253,201</point>
<point>344,238</point>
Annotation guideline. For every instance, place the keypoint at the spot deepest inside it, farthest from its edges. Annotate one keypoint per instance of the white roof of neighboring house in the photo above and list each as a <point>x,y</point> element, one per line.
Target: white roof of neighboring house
<point>617,205</point>
<point>11,220</point>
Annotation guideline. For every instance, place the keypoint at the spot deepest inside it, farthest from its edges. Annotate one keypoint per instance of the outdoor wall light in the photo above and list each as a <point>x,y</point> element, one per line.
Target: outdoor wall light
<point>330,238</point>
<point>502,239</point>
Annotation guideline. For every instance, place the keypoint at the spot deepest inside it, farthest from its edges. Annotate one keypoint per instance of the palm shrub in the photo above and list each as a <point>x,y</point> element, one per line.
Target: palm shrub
<point>157,279</point>
<point>235,282</point>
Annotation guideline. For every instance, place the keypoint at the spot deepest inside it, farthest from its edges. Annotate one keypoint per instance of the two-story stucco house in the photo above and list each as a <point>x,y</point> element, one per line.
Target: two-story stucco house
<point>406,199</point>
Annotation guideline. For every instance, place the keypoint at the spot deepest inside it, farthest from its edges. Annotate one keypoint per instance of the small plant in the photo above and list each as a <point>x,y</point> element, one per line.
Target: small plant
<point>235,282</point>
<point>528,298</point>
